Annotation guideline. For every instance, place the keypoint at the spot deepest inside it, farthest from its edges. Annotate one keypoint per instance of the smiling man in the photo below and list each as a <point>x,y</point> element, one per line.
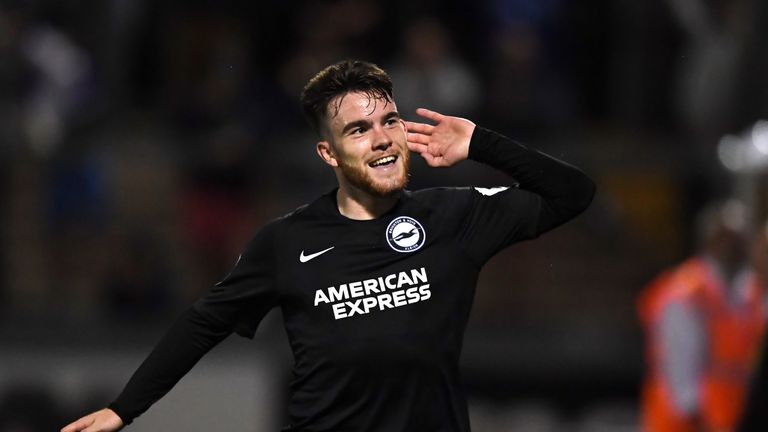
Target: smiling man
<point>365,144</point>
<point>375,282</point>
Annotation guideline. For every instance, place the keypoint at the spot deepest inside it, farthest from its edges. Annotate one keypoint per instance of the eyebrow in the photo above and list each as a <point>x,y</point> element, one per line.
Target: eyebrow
<point>355,124</point>
<point>360,123</point>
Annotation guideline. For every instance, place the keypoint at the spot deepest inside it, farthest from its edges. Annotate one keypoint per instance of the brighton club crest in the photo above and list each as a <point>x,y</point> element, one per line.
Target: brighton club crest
<point>405,234</point>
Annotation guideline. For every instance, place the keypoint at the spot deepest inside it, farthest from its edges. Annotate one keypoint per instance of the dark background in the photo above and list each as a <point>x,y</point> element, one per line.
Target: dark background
<point>142,143</point>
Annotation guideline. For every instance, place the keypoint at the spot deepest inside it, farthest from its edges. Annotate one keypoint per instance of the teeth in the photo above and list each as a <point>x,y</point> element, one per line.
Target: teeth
<point>382,161</point>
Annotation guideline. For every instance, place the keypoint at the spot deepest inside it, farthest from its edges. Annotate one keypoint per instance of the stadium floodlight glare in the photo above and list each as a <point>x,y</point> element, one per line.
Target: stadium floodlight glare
<point>747,152</point>
<point>730,153</point>
<point>760,136</point>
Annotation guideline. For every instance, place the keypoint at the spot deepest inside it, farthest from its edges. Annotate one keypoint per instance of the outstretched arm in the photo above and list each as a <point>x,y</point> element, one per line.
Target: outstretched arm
<point>236,304</point>
<point>177,352</point>
<point>104,420</point>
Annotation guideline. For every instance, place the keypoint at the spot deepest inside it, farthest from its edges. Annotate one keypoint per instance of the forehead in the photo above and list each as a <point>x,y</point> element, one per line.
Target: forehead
<point>357,106</point>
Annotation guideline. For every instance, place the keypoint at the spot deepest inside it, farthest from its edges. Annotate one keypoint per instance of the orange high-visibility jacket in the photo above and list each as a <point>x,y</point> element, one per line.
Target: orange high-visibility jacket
<point>733,336</point>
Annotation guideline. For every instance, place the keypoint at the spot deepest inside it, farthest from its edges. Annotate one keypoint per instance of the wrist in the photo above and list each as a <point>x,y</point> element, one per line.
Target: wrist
<point>478,146</point>
<point>467,141</point>
<point>116,410</point>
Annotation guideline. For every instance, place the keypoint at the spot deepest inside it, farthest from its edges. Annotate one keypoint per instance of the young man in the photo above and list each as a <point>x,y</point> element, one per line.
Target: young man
<point>375,282</point>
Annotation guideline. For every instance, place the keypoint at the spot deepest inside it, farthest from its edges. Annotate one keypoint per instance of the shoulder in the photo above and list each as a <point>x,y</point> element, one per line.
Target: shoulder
<point>318,209</point>
<point>438,194</point>
<point>276,228</point>
<point>441,201</point>
<point>461,195</point>
<point>688,281</point>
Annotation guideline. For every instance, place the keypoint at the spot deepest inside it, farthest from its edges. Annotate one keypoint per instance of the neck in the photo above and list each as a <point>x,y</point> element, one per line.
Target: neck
<point>359,205</point>
<point>724,270</point>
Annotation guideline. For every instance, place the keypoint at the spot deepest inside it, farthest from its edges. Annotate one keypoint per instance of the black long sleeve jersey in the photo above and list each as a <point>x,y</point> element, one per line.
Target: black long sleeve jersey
<point>375,310</point>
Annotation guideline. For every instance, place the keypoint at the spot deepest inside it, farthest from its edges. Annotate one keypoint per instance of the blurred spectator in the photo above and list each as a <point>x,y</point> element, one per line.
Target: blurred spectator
<point>717,32</point>
<point>430,74</point>
<point>526,93</point>
<point>78,192</point>
<point>58,85</point>
<point>526,69</point>
<point>703,320</point>
<point>15,76</point>
<point>207,68</point>
<point>79,210</point>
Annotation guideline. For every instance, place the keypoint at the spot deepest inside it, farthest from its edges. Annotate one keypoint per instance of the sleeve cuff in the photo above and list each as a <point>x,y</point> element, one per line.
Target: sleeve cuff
<point>479,144</point>
<point>114,406</point>
<point>487,146</point>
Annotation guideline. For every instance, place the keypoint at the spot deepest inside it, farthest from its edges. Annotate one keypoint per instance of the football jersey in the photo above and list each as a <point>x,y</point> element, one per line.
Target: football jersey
<point>375,310</point>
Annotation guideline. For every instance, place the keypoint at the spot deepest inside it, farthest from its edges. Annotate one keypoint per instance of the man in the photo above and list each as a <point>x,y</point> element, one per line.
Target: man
<point>375,282</point>
<point>704,320</point>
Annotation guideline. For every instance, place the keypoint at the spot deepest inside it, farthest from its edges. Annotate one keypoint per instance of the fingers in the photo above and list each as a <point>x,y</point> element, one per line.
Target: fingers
<point>423,151</point>
<point>421,128</point>
<point>79,425</point>
<point>418,138</point>
<point>417,147</point>
<point>429,114</point>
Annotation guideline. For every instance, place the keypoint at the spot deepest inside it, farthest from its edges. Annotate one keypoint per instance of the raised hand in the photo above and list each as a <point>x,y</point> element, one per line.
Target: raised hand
<point>443,144</point>
<point>100,421</point>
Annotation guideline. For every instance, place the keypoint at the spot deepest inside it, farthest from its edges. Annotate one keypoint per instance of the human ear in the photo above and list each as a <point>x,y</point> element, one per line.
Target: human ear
<point>326,153</point>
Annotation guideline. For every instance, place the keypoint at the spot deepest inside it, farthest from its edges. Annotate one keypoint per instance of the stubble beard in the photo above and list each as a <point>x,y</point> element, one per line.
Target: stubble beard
<point>360,178</point>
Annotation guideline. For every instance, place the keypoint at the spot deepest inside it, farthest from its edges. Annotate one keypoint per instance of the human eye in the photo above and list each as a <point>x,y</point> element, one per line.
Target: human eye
<point>360,130</point>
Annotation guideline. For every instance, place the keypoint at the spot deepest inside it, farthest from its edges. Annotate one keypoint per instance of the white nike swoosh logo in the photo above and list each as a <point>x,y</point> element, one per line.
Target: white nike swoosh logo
<point>304,258</point>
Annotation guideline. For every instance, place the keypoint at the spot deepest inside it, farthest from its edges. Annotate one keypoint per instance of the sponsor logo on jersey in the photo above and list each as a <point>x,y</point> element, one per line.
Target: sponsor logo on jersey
<point>405,234</point>
<point>375,294</point>
<point>491,191</point>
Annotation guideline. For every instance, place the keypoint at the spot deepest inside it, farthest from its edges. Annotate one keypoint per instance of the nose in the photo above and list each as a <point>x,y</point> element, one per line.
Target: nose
<point>381,139</point>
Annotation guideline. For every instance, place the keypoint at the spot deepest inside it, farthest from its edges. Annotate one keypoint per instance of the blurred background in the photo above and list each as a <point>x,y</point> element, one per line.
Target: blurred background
<point>143,142</point>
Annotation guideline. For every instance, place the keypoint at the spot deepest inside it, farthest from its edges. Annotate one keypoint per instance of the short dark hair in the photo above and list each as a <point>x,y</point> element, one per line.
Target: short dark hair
<point>339,79</point>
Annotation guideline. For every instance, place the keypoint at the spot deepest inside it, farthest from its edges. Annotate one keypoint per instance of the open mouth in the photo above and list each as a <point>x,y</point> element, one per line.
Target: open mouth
<point>384,161</point>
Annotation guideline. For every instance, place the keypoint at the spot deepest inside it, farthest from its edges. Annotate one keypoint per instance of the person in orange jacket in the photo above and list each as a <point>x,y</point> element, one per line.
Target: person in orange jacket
<point>704,320</point>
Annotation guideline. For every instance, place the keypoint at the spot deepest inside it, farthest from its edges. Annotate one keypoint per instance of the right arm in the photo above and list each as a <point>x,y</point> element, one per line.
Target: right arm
<point>236,304</point>
<point>188,340</point>
<point>180,349</point>
<point>683,342</point>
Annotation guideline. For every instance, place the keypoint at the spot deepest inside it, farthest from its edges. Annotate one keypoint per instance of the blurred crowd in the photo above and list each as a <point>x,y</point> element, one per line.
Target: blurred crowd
<point>142,143</point>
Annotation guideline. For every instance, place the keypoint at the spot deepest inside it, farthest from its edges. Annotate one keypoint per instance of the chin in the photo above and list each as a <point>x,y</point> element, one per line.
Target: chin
<point>386,193</point>
<point>364,180</point>
<point>386,189</point>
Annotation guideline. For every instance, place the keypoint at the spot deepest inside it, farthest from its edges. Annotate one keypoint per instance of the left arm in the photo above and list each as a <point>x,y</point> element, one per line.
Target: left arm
<point>564,190</point>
